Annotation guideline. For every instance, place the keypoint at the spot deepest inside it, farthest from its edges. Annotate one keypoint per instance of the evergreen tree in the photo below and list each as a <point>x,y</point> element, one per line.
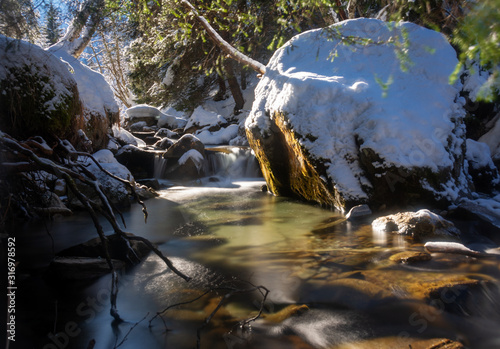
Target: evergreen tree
<point>18,19</point>
<point>53,22</point>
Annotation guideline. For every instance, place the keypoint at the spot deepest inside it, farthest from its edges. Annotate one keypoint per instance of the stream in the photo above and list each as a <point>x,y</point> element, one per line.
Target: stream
<point>332,283</point>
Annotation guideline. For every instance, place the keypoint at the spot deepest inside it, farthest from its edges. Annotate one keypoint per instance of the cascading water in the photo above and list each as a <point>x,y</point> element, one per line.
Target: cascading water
<point>231,162</point>
<point>224,161</point>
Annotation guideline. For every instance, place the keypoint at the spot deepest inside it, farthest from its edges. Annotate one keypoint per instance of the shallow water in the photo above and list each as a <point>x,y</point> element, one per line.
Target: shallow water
<point>332,283</point>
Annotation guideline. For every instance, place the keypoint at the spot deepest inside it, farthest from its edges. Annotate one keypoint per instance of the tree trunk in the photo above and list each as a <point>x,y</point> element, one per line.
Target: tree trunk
<point>234,86</point>
<point>85,21</point>
<point>223,44</point>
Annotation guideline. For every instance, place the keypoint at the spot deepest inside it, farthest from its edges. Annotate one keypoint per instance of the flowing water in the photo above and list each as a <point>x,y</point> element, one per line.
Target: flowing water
<point>332,283</point>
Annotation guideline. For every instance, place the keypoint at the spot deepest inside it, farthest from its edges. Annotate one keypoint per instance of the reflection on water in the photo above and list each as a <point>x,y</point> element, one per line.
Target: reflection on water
<point>333,283</point>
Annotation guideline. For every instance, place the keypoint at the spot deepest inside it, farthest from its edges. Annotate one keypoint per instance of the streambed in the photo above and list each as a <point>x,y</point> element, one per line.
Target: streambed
<point>332,283</point>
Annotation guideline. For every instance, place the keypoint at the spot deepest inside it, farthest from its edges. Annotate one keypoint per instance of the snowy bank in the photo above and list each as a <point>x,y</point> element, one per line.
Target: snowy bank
<point>361,112</point>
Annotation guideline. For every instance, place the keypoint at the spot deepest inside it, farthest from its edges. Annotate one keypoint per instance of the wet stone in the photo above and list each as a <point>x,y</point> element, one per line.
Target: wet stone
<point>409,257</point>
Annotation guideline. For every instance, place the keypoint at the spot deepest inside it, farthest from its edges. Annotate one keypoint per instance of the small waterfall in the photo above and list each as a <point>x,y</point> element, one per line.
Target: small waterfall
<point>223,161</point>
<point>231,162</point>
<point>160,166</point>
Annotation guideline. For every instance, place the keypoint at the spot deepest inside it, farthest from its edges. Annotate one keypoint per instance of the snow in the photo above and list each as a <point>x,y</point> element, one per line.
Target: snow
<point>202,117</point>
<point>106,159</point>
<point>492,139</point>
<point>341,94</point>
<point>478,155</point>
<point>195,156</point>
<point>223,136</point>
<point>127,137</point>
<point>142,110</point>
<point>95,93</point>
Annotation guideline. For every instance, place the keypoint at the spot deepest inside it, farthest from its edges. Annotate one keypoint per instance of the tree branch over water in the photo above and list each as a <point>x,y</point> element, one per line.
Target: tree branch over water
<point>223,44</point>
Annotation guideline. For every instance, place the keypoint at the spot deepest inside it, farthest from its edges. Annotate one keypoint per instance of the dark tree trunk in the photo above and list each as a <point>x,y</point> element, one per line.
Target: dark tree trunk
<point>243,78</point>
<point>234,86</point>
<point>221,94</point>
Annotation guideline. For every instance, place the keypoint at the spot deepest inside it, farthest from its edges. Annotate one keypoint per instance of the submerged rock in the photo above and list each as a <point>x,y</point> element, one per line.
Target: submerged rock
<point>419,225</point>
<point>87,260</point>
<point>335,122</point>
<point>81,268</point>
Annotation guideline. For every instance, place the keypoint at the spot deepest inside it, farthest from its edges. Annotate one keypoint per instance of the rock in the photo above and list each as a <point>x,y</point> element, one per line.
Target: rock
<point>60,187</point>
<point>80,268</point>
<point>164,132</point>
<point>100,109</point>
<point>145,114</point>
<point>52,206</point>
<point>171,121</point>
<point>139,161</point>
<point>410,257</point>
<point>492,139</point>
<point>419,225</point>
<point>350,293</point>
<point>164,143</point>
<point>202,118</point>
<point>137,126</point>
<point>52,108</point>
<point>117,249</point>
<point>185,159</point>
<point>403,342</point>
<point>117,192</point>
<point>358,212</point>
<point>325,131</point>
<point>458,248</point>
<point>150,182</point>
<point>185,143</point>
<point>87,260</point>
<point>481,167</point>
<point>126,138</point>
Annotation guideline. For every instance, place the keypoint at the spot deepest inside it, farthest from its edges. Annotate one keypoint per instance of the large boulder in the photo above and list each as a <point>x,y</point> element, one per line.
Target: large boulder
<point>361,112</point>
<point>38,94</point>
<point>100,109</point>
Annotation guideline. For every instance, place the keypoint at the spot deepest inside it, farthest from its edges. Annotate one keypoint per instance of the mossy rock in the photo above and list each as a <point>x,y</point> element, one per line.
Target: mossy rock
<point>39,96</point>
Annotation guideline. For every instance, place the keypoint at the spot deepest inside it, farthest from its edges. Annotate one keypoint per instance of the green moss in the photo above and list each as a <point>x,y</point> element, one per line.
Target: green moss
<point>28,108</point>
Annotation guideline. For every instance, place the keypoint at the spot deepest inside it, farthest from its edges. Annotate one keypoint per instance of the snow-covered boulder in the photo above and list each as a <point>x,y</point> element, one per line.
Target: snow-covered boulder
<point>100,109</point>
<point>481,167</point>
<point>185,158</point>
<point>38,95</point>
<point>115,190</point>
<point>492,139</point>
<point>361,112</point>
<point>202,118</point>
<point>125,137</point>
<point>144,113</point>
